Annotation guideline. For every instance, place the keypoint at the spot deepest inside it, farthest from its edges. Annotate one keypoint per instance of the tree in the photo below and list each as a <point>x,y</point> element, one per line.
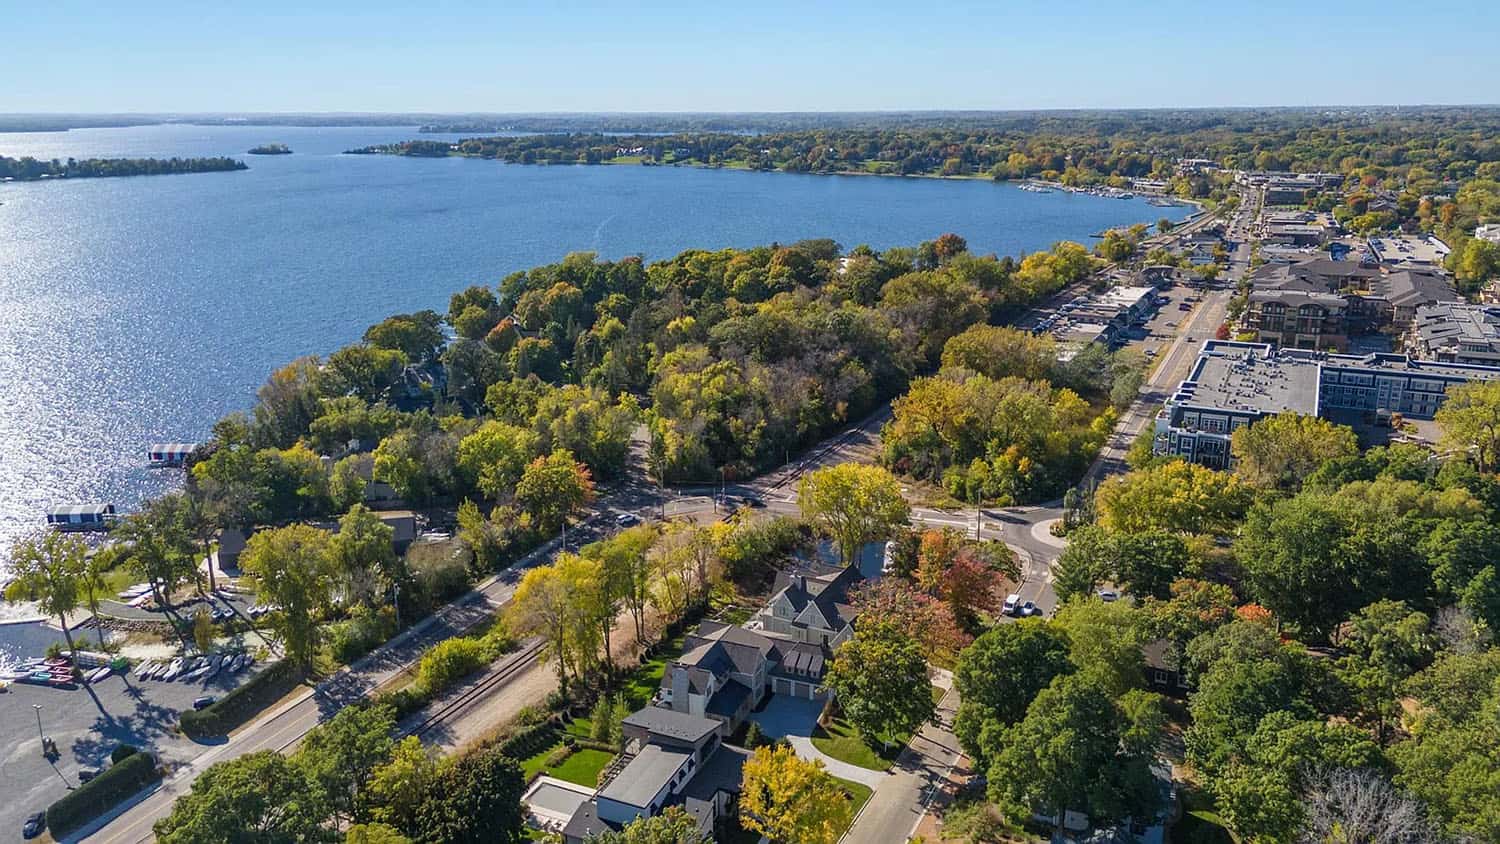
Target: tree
<point>160,550</point>
<point>364,371</point>
<point>1299,562</point>
<point>1455,770</point>
<point>1345,804</point>
<point>340,755</point>
<point>1174,496</point>
<point>879,678</point>
<point>852,503</point>
<point>1077,749</point>
<point>258,798</point>
<point>397,788</point>
<point>363,553</point>
<point>495,455</point>
<point>477,798</point>
<point>374,833</point>
<point>674,826</point>
<point>294,572</point>
<point>1001,673</point>
<point>542,606</point>
<point>1470,419</point>
<point>1278,452</point>
<point>1260,794</point>
<point>418,335</point>
<point>552,488</point>
<point>791,799</point>
<point>1002,352</point>
<point>1244,674</point>
<point>1386,642</point>
<point>47,568</point>
<point>1104,642</point>
<point>918,615</point>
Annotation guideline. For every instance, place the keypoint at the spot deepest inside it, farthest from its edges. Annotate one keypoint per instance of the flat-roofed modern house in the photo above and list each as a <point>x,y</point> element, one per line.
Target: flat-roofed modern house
<point>1233,384</point>
<point>1455,332</point>
<point>670,759</point>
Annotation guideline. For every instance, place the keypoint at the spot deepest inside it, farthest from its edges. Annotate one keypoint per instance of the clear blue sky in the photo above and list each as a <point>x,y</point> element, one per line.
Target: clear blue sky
<point>742,55</point>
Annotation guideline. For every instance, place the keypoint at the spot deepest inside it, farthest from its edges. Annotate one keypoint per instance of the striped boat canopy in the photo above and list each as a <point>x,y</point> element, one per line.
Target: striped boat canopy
<point>170,452</point>
<point>69,511</point>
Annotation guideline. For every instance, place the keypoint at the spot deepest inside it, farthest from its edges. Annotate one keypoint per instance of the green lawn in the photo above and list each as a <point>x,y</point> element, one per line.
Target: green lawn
<point>645,679</point>
<point>582,767</point>
<point>844,743</point>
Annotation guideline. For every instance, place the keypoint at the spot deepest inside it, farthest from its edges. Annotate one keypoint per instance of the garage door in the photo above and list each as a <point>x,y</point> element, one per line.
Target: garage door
<point>782,686</point>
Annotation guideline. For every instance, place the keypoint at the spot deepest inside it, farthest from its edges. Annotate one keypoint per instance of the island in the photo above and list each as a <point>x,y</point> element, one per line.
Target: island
<point>34,169</point>
<point>270,149</point>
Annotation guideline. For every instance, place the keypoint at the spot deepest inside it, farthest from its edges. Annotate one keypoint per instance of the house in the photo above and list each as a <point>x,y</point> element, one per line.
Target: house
<point>403,525</point>
<point>722,674</point>
<point>1489,232</point>
<point>1165,672</point>
<point>670,759</point>
<point>811,609</point>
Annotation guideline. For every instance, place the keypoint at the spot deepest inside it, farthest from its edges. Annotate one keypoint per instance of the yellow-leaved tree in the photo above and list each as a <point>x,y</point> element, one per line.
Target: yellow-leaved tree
<point>788,798</point>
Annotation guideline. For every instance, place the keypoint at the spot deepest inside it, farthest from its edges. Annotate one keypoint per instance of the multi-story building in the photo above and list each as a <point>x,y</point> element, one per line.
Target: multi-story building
<point>1235,384</point>
<point>1374,297</point>
<point>1295,319</point>
<point>1455,333</point>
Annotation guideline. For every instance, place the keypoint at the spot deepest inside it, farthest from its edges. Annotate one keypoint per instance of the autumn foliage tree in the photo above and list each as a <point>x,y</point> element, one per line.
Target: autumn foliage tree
<point>788,798</point>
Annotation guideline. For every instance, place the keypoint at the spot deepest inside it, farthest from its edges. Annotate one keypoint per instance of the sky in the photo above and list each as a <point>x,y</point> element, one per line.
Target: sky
<point>761,55</point>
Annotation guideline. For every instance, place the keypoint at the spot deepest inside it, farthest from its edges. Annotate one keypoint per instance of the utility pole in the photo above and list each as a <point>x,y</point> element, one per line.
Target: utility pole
<point>38,708</point>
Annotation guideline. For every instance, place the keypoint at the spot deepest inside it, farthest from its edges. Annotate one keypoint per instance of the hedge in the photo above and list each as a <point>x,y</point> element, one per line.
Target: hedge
<point>100,794</point>
<point>243,703</point>
<point>530,741</point>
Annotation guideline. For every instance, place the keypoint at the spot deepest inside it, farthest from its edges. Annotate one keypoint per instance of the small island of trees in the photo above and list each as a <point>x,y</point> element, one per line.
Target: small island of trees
<point>271,149</point>
<point>31,169</point>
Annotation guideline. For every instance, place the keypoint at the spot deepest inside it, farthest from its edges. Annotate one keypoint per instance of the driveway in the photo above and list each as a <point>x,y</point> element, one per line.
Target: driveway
<point>794,719</point>
<point>920,776</point>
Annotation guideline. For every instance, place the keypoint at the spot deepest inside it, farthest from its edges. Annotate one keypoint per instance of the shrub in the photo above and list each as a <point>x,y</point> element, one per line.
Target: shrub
<point>753,736</point>
<point>362,634</point>
<point>448,662</point>
<point>530,741</point>
<point>560,755</point>
<point>93,798</point>
<point>243,703</point>
<point>120,752</point>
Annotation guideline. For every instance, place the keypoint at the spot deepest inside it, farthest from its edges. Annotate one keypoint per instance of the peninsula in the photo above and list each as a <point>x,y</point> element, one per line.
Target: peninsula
<point>34,169</point>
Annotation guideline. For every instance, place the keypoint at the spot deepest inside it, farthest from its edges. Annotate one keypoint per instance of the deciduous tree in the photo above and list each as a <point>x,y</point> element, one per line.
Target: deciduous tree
<point>788,798</point>
<point>293,570</point>
<point>854,504</point>
<point>880,680</point>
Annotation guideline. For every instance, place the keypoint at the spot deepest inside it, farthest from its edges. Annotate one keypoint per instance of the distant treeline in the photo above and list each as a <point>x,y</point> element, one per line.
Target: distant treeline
<point>27,169</point>
<point>1075,147</point>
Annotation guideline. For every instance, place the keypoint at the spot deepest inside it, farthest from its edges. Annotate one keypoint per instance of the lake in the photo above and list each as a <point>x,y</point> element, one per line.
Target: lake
<point>139,310</point>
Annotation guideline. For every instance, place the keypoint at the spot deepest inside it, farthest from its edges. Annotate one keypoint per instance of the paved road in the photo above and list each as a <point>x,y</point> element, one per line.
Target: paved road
<point>283,727</point>
<point>893,812</point>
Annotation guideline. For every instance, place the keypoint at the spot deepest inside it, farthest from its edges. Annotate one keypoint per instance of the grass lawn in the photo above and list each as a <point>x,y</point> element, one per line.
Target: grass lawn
<point>844,743</point>
<point>582,767</point>
<point>646,678</point>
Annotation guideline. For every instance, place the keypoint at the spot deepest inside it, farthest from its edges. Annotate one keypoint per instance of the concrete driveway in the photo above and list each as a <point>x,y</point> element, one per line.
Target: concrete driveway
<point>786,716</point>
<point>794,719</point>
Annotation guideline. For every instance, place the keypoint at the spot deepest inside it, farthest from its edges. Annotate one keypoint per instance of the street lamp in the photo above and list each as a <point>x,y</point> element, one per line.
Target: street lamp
<point>38,708</point>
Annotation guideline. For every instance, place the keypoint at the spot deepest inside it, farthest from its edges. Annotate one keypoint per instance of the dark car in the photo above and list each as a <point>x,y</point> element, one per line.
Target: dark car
<point>203,702</point>
<point>87,774</point>
<point>753,501</point>
<point>34,825</point>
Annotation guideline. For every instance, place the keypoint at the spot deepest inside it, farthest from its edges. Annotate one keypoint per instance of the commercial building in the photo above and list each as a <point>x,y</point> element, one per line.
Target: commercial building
<point>1234,384</point>
<point>1374,296</point>
<point>1454,332</point>
<point>1097,318</point>
<point>1413,251</point>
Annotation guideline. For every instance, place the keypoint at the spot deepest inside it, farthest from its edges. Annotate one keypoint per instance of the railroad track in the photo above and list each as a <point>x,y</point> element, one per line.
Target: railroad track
<point>519,662</point>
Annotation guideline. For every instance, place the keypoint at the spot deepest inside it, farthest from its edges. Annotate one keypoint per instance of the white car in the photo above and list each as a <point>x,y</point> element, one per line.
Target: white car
<point>627,519</point>
<point>1012,604</point>
<point>1108,595</point>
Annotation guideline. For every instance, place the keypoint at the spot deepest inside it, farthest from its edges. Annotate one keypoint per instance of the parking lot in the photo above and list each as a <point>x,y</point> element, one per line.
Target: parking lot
<point>87,723</point>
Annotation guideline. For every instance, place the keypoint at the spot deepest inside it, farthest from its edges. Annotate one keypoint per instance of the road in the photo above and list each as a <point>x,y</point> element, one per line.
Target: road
<point>1024,528</point>
<point>920,773</point>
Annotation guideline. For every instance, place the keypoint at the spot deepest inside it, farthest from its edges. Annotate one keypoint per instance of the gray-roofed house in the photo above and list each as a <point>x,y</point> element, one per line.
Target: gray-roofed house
<point>670,758</point>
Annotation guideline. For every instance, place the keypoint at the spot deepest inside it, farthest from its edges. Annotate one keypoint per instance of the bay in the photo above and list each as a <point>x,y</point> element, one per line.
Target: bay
<point>137,310</point>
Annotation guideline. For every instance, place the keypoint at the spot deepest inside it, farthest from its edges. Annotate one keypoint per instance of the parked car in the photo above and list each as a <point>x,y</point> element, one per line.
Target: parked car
<point>34,825</point>
<point>203,702</point>
<point>627,519</point>
<point>1029,609</point>
<point>1012,604</point>
<point>754,501</point>
<point>87,774</point>
<point>1108,595</point>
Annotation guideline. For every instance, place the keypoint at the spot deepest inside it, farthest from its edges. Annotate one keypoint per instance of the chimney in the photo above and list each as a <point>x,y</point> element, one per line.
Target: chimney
<point>679,688</point>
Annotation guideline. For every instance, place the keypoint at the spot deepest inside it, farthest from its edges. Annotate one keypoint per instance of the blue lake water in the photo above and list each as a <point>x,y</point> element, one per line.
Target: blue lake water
<point>141,309</point>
